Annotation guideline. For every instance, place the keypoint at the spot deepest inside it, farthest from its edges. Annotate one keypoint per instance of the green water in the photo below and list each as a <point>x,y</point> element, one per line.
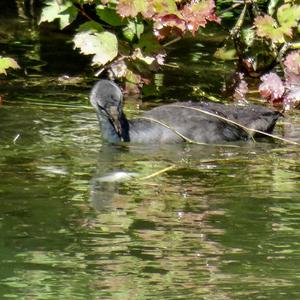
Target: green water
<point>222,224</point>
<point>219,223</point>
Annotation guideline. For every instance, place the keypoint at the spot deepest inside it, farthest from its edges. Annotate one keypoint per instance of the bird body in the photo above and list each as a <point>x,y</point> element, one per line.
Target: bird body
<point>204,122</point>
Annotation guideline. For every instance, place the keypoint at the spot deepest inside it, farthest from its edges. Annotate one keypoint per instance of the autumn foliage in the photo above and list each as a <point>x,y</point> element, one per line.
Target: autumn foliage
<point>128,39</point>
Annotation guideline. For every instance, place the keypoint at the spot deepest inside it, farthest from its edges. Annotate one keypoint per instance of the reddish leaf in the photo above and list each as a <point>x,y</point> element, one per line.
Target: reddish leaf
<point>267,27</point>
<point>241,88</point>
<point>292,63</point>
<point>293,94</point>
<point>131,8</point>
<point>292,98</point>
<point>292,69</point>
<point>272,87</point>
<point>168,24</point>
<point>197,14</point>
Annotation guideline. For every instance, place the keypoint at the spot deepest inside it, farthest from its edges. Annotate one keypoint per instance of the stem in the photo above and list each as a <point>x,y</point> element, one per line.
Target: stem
<point>158,172</point>
<point>82,11</point>
<point>172,41</point>
<point>247,129</point>
<point>185,138</point>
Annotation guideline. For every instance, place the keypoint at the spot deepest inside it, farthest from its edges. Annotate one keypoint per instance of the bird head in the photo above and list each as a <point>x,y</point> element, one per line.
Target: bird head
<point>107,98</point>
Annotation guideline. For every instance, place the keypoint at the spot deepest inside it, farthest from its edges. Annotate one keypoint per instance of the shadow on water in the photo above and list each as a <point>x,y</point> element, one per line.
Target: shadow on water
<point>81,219</point>
<point>212,227</point>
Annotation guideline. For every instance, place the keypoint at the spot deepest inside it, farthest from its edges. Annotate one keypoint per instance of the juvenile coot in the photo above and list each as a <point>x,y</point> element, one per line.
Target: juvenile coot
<point>106,97</point>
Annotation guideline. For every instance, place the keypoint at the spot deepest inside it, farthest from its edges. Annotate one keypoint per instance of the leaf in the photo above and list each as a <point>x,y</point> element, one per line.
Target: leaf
<point>66,12</point>
<point>294,94</point>
<point>109,16</point>
<point>145,58</point>
<point>92,26</point>
<point>225,53</point>
<point>133,29</point>
<point>197,14</point>
<point>103,45</point>
<point>292,68</point>
<point>272,87</point>
<point>133,81</point>
<point>6,63</point>
<point>292,62</point>
<point>267,27</point>
<point>248,36</point>
<point>168,24</point>
<point>131,8</point>
<point>241,88</point>
<point>163,7</point>
<point>149,43</point>
<point>288,17</point>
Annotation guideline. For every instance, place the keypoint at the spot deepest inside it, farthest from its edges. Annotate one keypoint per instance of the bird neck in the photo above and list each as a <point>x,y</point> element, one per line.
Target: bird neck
<point>109,132</point>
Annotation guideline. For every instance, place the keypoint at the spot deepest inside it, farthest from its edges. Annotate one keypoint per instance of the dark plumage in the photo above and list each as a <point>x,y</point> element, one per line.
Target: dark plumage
<point>107,99</point>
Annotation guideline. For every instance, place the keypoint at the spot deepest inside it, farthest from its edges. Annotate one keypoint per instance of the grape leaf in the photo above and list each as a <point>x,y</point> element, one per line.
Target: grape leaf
<point>166,25</point>
<point>133,29</point>
<point>288,17</point>
<point>6,63</point>
<point>90,26</point>
<point>292,68</point>
<point>292,62</point>
<point>66,12</point>
<point>197,14</point>
<point>131,8</point>
<point>272,87</point>
<point>163,7</point>
<point>150,45</point>
<point>267,27</point>
<point>109,16</point>
<point>103,45</point>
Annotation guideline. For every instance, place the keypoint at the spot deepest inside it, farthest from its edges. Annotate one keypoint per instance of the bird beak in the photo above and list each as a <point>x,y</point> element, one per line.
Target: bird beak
<point>114,113</point>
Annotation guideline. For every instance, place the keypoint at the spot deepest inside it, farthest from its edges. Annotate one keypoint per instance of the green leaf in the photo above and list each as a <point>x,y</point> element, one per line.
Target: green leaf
<point>103,45</point>
<point>225,53</point>
<point>267,27</point>
<point>6,63</point>
<point>66,12</point>
<point>149,43</point>
<point>133,29</point>
<point>110,16</point>
<point>288,17</point>
<point>92,26</point>
<point>248,36</point>
<point>165,6</point>
<point>145,58</point>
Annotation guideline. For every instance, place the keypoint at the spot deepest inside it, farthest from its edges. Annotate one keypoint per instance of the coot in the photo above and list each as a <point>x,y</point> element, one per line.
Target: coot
<point>178,122</point>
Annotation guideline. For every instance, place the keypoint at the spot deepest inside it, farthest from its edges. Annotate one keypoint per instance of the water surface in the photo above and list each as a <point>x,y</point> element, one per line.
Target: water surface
<point>215,223</point>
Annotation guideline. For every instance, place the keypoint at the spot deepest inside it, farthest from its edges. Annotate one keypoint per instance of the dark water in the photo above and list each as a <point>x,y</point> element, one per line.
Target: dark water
<point>215,223</point>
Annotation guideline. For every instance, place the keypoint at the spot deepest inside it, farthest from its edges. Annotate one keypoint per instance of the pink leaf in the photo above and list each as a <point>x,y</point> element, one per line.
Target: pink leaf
<point>241,88</point>
<point>272,87</point>
<point>292,68</point>
<point>197,14</point>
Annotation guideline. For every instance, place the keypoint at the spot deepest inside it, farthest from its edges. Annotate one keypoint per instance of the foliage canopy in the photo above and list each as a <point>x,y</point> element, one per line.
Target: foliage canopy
<point>129,38</point>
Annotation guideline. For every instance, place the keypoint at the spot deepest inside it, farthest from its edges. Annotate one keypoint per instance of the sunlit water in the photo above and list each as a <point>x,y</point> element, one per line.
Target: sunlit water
<point>83,220</point>
<point>220,223</point>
